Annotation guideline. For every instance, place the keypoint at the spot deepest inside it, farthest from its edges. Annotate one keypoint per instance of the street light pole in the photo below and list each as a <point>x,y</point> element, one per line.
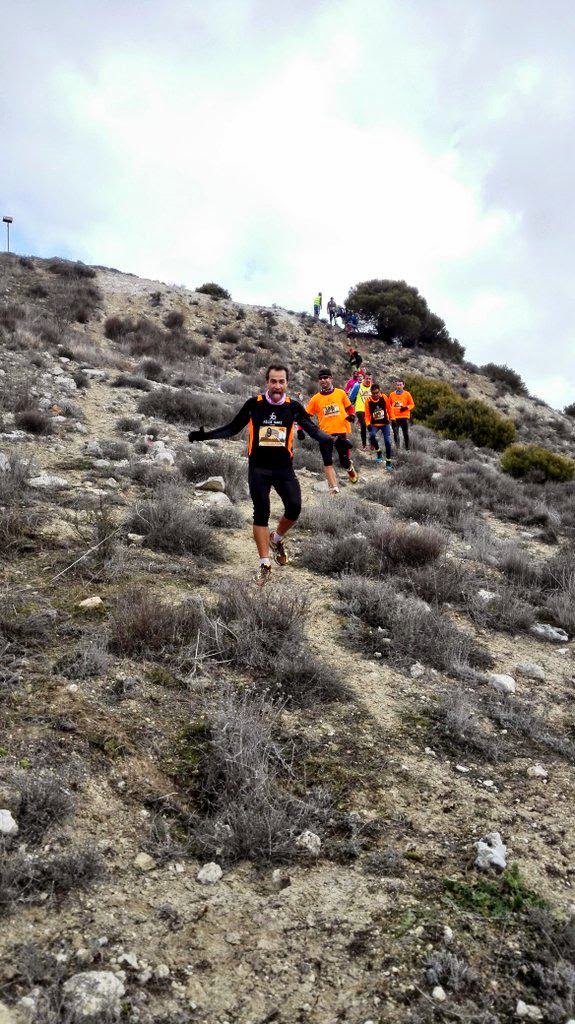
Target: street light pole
<point>7,221</point>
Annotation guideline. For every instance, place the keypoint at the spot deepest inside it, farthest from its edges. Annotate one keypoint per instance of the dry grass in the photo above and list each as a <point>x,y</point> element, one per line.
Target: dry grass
<point>141,622</point>
<point>183,406</point>
<point>205,462</point>
<point>170,523</point>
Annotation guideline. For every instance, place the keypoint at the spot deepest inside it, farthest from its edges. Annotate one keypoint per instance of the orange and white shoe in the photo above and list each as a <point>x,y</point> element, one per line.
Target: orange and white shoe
<point>279,551</point>
<point>353,475</point>
<point>263,575</point>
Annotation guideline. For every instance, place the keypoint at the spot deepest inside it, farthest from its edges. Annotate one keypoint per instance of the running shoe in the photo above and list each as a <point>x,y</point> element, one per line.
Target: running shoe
<point>353,475</point>
<point>278,548</point>
<point>334,490</point>
<point>388,466</point>
<point>263,574</point>
<point>379,456</point>
<point>364,447</point>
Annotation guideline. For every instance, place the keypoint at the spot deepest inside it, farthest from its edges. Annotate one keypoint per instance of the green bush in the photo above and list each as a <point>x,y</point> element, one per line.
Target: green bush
<point>569,410</point>
<point>537,463</point>
<point>215,290</point>
<point>504,375</point>
<point>440,407</point>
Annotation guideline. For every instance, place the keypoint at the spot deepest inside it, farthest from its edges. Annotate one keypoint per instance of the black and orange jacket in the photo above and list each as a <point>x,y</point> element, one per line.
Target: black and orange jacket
<point>378,412</point>
<point>270,430</point>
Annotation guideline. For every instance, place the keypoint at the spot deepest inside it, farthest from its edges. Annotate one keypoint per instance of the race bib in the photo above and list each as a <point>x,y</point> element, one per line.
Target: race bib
<point>379,414</point>
<point>331,410</point>
<point>272,437</point>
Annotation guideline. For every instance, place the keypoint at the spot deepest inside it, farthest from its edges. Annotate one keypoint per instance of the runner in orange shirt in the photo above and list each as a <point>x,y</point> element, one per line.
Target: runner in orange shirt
<point>335,414</point>
<point>403,405</point>
<point>379,416</point>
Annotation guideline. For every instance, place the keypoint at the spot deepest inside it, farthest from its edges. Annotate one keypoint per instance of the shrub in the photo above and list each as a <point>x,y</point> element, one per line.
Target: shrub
<point>44,801</point>
<point>440,407</point>
<point>569,410</point>
<point>116,327</point>
<point>396,544</point>
<point>65,268</point>
<point>89,660</point>
<point>128,424</point>
<point>130,380</point>
<point>229,336</point>
<point>172,524</point>
<point>345,517</point>
<point>155,298</point>
<point>174,320</point>
<point>205,462</point>
<point>504,375</point>
<point>117,451</point>
<point>536,463</point>
<point>505,612</point>
<point>215,290</point>
<point>142,622</point>
<point>460,727</point>
<point>247,812</point>
<point>152,369</point>
<point>34,421</point>
<point>331,556</point>
<point>403,629</point>
<point>224,517</point>
<point>24,877</point>
<point>183,406</point>
<point>16,518</point>
<point>263,633</point>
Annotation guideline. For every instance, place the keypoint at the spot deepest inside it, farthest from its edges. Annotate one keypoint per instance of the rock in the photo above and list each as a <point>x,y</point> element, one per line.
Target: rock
<point>4,463</point>
<point>436,476</point>
<point>544,631</point>
<point>462,768</point>
<point>136,538</point>
<point>502,683</point>
<point>531,670</point>
<point>217,498</point>
<point>280,880</point>
<point>95,374</point>
<point>68,383</point>
<point>447,935</point>
<point>439,994</point>
<point>94,449</point>
<point>321,488</point>
<point>130,959</point>
<point>209,874</point>
<point>8,825</point>
<point>309,841</point>
<point>143,862</point>
<point>110,482</point>
<point>528,1011</point>
<point>93,993</point>
<point>45,480</point>
<point>102,464</point>
<point>537,771</point>
<point>10,1015</point>
<point>162,971</point>
<point>486,595</point>
<point>165,457</point>
<point>91,602</point>
<point>417,670</point>
<point>213,483</point>
<point>491,852</point>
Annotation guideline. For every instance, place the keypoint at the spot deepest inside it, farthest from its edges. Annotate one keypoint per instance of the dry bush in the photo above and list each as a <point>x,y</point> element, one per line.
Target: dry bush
<point>34,421</point>
<point>172,524</point>
<point>425,507</point>
<point>307,456</point>
<point>246,811</point>
<point>440,582</point>
<point>414,469</point>
<point>142,622</point>
<point>331,556</point>
<point>132,380</point>
<point>460,727</point>
<point>520,718</point>
<point>128,425</point>
<point>66,268</point>
<point>17,520</point>
<point>379,490</point>
<point>183,406</point>
<point>229,337</point>
<point>263,634</point>
<point>88,661</point>
<point>506,612</point>
<point>17,391</point>
<point>116,451</point>
<point>404,629</point>
<point>451,972</point>
<point>205,462</point>
<point>174,320</point>
<point>395,544</point>
<point>152,369</point>
<point>345,517</point>
<point>25,621</point>
<point>44,801</point>
<point>25,878</point>
<point>224,517</point>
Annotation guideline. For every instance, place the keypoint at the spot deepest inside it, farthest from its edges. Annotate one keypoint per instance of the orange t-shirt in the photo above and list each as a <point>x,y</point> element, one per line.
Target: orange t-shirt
<point>331,411</point>
<point>398,400</point>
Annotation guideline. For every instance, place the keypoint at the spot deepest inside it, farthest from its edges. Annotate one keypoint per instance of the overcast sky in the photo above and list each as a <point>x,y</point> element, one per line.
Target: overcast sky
<point>280,148</point>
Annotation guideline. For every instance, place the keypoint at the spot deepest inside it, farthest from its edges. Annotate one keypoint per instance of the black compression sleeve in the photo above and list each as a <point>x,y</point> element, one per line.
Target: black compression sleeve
<point>238,423</point>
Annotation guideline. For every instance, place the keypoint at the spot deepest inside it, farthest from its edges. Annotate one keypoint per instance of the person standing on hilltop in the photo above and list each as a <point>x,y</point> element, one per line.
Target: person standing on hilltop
<point>332,311</point>
<point>271,418</point>
<point>335,415</point>
<point>403,405</point>
<point>317,304</point>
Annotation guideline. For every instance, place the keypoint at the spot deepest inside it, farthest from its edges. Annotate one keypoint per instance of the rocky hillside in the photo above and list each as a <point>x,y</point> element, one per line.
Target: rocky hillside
<point>347,798</point>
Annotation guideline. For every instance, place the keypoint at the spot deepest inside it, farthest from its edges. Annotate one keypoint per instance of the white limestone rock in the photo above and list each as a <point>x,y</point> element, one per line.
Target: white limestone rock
<point>309,841</point>
<point>531,670</point>
<point>209,874</point>
<point>491,852</point>
<point>93,992</point>
<point>8,825</point>
<point>502,683</point>
<point>213,483</point>
<point>48,482</point>
<point>553,634</point>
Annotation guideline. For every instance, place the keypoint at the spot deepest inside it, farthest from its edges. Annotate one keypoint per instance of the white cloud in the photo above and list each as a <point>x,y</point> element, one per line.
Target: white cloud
<point>280,150</point>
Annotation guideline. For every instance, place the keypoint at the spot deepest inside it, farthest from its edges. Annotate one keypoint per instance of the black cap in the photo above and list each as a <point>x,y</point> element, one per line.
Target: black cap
<point>325,373</point>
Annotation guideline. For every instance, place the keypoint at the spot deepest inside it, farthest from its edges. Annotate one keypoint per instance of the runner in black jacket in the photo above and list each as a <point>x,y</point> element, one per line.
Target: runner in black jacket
<point>271,418</point>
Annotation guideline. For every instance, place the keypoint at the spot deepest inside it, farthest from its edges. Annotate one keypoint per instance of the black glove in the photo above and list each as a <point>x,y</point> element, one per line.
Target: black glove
<point>403,408</point>
<point>300,434</point>
<point>196,435</point>
<point>351,417</point>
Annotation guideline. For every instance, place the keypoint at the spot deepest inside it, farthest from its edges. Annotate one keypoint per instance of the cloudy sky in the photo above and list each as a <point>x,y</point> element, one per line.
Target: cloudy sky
<point>278,148</point>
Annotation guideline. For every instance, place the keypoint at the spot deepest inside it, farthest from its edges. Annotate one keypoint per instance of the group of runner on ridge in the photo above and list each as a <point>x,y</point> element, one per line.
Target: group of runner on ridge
<point>272,417</point>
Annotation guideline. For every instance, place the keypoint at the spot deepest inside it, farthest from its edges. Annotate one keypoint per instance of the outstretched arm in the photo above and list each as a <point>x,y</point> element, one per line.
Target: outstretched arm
<point>305,422</point>
<point>238,423</point>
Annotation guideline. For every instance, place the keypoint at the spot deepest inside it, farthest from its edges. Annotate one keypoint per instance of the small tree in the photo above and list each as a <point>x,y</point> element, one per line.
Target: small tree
<point>505,375</point>
<point>215,290</point>
<point>536,463</point>
<point>569,410</point>
<point>397,312</point>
